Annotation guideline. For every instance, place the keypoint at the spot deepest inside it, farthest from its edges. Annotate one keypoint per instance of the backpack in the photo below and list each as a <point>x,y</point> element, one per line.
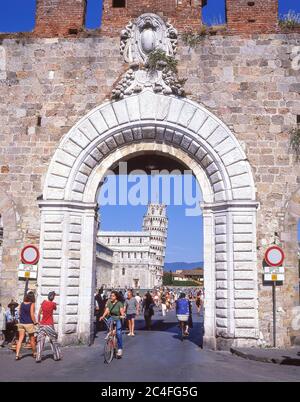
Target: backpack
<point>182,307</point>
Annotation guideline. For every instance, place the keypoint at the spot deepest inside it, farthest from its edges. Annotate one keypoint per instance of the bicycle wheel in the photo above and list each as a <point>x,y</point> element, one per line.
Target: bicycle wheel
<point>109,349</point>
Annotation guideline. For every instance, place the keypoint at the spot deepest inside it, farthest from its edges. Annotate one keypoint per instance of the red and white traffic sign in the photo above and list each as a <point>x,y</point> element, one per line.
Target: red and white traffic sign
<point>30,255</point>
<point>274,256</point>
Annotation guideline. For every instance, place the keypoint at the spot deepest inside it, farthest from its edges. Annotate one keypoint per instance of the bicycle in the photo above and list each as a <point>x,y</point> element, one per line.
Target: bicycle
<point>110,347</point>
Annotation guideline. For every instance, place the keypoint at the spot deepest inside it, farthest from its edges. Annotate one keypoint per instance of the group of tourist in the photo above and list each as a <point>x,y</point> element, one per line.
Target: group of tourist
<point>18,323</point>
<point>128,305</point>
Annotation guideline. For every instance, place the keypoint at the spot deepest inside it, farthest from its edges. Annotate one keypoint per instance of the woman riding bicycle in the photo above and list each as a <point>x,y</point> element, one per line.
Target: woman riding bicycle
<point>183,313</point>
<point>115,311</point>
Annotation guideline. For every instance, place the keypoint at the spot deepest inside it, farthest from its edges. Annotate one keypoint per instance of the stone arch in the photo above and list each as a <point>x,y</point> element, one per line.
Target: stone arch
<point>147,117</point>
<point>134,149</point>
<point>184,130</point>
<point>10,248</point>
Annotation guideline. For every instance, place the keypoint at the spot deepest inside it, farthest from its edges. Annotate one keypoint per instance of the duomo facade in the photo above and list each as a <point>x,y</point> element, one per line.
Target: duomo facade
<point>133,260</point>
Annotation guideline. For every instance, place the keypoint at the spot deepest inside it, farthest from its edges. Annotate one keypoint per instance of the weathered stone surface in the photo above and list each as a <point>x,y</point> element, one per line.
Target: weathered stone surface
<point>258,100</point>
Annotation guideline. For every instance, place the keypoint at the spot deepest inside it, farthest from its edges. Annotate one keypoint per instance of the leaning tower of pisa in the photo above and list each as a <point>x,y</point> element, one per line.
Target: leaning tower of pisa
<point>156,224</point>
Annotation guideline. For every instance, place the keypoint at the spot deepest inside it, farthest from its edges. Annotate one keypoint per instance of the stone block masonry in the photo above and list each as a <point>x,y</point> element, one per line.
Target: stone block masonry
<point>48,84</point>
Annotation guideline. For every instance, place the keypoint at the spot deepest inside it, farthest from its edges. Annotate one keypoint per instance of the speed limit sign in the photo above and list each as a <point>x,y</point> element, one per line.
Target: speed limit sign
<point>30,255</point>
<point>274,272</point>
<point>274,256</point>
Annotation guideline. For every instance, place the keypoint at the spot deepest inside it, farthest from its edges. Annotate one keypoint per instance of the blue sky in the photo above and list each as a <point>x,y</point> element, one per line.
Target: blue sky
<point>18,15</point>
<point>185,233</point>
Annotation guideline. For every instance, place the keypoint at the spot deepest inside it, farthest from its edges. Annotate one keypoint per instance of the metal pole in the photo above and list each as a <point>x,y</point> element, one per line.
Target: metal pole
<point>26,286</point>
<point>274,313</point>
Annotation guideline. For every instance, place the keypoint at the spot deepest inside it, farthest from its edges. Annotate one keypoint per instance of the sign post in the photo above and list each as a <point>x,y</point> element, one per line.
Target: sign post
<point>274,312</point>
<point>274,271</point>
<point>28,269</point>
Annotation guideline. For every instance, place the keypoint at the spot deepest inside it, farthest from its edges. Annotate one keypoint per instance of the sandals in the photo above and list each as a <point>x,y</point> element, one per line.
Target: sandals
<point>18,357</point>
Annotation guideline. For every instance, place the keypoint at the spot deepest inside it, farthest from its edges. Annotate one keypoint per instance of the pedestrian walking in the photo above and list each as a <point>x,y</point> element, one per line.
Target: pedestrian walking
<point>168,302</point>
<point>121,297</point>
<point>198,301</point>
<point>2,325</point>
<point>138,299</point>
<point>190,320</point>
<point>100,301</point>
<point>102,305</point>
<point>163,305</point>
<point>156,299</point>
<point>148,308</point>
<point>12,318</point>
<point>27,324</point>
<point>131,310</point>
<point>46,329</point>
<point>12,311</point>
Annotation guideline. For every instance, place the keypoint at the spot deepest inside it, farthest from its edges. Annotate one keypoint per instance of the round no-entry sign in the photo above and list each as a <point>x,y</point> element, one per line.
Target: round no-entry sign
<point>30,255</point>
<point>274,256</point>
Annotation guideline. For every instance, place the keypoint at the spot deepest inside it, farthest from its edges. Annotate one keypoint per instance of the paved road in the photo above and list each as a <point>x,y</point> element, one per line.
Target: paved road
<point>156,355</point>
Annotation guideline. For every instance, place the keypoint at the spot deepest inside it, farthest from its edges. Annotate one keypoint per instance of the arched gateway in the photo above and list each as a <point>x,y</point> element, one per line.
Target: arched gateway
<point>186,131</point>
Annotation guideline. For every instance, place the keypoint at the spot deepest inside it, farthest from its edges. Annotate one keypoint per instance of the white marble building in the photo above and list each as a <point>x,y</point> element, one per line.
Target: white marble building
<point>133,259</point>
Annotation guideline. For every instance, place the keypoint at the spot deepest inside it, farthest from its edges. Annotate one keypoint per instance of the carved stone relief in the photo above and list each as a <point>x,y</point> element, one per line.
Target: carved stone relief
<point>138,40</point>
<point>147,33</point>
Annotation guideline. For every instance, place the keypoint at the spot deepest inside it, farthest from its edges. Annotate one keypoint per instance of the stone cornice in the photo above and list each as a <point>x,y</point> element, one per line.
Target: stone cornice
<point>67,205</point>
<point>215,206</point>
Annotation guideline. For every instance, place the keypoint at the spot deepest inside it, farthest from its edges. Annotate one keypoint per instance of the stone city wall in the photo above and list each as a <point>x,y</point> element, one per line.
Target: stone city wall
<point>47,85</point>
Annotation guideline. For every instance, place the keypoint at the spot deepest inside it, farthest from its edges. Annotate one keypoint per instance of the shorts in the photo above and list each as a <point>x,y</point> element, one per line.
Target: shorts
<point>130,316</point>
<point>183,317</point>
<point>29,328</point>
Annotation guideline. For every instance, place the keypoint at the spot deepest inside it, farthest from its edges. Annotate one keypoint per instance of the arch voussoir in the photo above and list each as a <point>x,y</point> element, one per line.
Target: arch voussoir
<point>181,123</point>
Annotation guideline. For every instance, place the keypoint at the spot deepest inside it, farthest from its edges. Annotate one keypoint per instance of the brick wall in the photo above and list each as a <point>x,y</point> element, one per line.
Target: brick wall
<point>181,13</point>
<point>59,17</point>
<point>67,17</point>
<point>255,16</point>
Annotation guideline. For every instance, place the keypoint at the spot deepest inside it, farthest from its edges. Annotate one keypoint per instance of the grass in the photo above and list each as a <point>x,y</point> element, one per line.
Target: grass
<point>192,39</point>
<point>290,20</point>
<point>159,56</point>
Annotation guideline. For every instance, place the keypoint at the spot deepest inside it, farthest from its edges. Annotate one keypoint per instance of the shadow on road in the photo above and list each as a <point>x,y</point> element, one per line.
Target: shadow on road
<point>196,333</point>
<point>170,324</point>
